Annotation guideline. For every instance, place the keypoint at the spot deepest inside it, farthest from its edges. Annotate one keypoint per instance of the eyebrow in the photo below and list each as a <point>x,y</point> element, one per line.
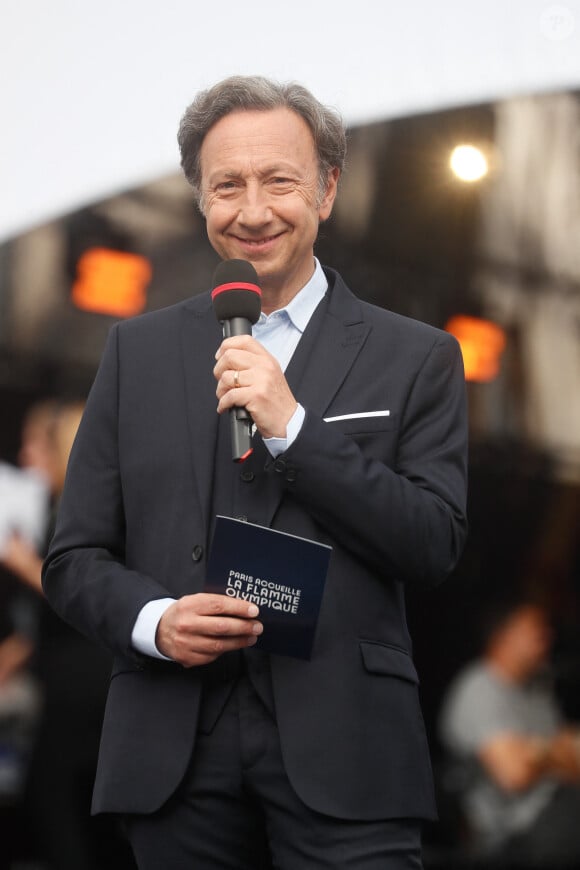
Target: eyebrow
<point>274,169</point>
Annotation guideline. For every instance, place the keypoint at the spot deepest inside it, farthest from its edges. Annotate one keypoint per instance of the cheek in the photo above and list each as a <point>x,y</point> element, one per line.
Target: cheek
<point>301,213</point>
<point>214,231</point>
<point>217,216</point>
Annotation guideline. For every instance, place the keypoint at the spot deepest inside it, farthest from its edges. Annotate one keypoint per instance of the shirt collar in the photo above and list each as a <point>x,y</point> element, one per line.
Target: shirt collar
<point>301,308</point>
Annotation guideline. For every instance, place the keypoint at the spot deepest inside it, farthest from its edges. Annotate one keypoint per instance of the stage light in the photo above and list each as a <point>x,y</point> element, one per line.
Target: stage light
<point>482,343</point>
<point>111,282</point>
<point>468,162</point>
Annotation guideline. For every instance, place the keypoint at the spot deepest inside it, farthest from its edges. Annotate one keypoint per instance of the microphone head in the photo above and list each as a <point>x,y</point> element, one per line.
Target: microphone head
<point>236,292</point>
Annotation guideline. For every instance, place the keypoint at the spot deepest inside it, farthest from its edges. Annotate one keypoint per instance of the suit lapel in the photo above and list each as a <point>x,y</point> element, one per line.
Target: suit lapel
<point>325,354</point>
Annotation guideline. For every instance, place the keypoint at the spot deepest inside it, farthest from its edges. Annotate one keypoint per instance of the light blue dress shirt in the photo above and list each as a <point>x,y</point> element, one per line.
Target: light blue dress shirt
<point>279,332</point>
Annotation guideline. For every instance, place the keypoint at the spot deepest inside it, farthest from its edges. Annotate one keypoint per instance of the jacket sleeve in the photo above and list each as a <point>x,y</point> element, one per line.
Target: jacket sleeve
<point>84,578</point>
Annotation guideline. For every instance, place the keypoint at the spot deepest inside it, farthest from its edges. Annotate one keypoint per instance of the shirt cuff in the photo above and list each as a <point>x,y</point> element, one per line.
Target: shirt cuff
<point>143,634</point>
<point>276,446</point>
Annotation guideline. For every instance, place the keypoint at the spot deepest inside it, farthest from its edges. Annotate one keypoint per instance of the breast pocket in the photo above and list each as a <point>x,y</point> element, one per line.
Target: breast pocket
<point>375,436</point>
<point>363,425</point>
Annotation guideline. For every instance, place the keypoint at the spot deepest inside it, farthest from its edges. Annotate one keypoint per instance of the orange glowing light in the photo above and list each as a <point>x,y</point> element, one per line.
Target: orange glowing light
<point>111,282</point>
<point>482,343</point>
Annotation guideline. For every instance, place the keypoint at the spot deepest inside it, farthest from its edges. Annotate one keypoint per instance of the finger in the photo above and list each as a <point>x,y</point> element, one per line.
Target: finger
<point>216,646</point>
<point>195,658</point>
<point>206,650</point>
<point>239,342</point>
<point>233,398</point>
<point>210,603</point>
<point>225,626</point>
<point>234,360</point>
<point>233,379</point>
<point>242,356</point>
<point>189,626</point>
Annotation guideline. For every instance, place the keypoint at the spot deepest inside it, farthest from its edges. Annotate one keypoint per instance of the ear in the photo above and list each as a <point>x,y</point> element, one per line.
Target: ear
<point>325,207</point>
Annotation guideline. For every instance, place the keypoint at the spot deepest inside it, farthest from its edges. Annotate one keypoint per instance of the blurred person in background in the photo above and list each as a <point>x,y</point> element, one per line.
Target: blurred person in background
<point>23,494</point>
<point>44,450</point>
<point>501,721</point>
<point>20,699</point>
<point>19,691</point>
<point>73,675</point>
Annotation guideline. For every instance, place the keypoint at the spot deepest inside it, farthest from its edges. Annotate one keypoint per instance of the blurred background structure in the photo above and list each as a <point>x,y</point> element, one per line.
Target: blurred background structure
<point>97,224</point>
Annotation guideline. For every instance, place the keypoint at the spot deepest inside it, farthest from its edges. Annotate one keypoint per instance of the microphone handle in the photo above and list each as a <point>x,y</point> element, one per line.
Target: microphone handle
<point>236,326</point>
<point>240,420</point>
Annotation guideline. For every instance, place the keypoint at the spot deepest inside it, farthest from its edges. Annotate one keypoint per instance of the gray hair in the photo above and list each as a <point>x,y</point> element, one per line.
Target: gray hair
<point>256,92</point>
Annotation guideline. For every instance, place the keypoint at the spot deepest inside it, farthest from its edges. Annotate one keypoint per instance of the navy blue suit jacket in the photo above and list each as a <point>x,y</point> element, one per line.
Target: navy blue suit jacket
<point>387,491</point>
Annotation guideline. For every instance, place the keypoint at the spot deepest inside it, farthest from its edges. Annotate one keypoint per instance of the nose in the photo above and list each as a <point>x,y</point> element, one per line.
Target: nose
<point>255,208</point>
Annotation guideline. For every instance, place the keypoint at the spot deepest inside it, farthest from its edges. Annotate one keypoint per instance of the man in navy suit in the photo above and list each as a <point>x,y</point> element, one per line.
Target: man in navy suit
<point>216,754</point>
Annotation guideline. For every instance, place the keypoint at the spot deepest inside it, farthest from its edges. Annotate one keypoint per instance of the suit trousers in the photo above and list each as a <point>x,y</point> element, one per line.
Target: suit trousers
<point>237,809</point>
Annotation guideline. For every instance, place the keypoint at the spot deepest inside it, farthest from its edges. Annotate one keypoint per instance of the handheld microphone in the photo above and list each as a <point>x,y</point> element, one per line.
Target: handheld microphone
<point>237,302</point>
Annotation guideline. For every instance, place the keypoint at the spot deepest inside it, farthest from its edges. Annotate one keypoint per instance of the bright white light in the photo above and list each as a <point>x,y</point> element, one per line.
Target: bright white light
<point>468,163</point>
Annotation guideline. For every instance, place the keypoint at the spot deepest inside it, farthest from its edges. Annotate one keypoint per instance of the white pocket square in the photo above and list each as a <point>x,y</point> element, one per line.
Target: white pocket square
<point>359,416</point>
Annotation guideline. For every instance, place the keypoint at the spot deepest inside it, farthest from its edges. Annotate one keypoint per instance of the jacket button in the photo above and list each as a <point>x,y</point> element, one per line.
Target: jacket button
<point>197,553</point>
<point>247,476</point>
<point>291,475</point>
<point>280,466</point>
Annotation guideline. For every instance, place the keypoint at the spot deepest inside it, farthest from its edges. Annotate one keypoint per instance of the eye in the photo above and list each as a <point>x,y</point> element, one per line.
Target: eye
<point>281,183</point>
<point>226,185</point>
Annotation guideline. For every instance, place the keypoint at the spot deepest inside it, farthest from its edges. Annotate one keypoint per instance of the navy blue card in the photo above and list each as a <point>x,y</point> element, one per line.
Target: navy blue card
<point>281,573</point>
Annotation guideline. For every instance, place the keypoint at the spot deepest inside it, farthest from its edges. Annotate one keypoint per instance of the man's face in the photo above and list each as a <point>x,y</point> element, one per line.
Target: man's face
<point>37,448</point>
<point>530,638</point>
<point>260,187</point>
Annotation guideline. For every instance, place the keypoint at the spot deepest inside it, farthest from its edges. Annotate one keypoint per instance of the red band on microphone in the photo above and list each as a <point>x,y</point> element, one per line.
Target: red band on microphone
<point>235,285</point>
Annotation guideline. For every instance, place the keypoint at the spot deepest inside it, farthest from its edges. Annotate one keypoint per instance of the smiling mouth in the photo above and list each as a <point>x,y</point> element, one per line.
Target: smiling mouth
<point>256,243</point>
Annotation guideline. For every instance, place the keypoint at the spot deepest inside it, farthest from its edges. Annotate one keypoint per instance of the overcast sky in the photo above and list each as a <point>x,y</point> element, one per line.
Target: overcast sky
<point>91,93</point>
